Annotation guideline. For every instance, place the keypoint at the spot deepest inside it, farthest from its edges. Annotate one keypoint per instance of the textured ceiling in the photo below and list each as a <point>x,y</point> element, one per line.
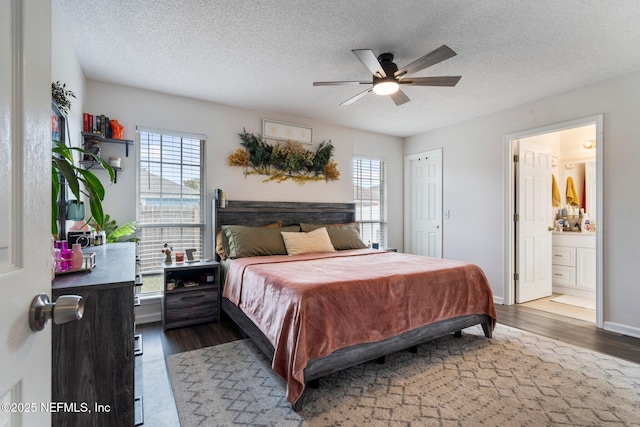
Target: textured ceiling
<point>265,54</point>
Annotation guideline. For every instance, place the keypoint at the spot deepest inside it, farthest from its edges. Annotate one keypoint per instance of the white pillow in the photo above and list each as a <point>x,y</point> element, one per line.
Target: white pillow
<point>302,243</point>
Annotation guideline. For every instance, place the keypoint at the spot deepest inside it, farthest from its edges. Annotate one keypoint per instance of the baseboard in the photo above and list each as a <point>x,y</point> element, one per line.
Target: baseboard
<point>149,310</point>
<point>622,329</point>
<point>498,300</point>
<point>148,318</point>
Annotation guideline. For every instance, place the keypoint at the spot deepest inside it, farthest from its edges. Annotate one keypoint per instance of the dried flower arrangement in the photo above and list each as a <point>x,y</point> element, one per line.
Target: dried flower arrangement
<point>285,160</point>
<point>167,252</point>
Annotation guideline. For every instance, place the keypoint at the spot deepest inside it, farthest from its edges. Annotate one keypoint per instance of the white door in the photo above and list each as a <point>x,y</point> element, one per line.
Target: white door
<point>534,211</point>
<point>25,192</point>
<point>426,204</point>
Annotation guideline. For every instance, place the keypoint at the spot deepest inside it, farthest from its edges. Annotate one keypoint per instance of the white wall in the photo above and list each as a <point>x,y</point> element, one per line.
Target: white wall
<point>222,124</point>
<point>65,68</point>
<point>473,167</point>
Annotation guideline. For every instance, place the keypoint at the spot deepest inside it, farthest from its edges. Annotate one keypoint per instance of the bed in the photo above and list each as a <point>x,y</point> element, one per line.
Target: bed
<point>314,314</point>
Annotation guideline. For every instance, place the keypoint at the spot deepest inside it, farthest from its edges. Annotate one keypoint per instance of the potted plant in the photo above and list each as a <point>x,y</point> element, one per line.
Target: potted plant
<point>60,95</point>
<point>80,181</point>
<point>64,171</point>
<point>114,232</point>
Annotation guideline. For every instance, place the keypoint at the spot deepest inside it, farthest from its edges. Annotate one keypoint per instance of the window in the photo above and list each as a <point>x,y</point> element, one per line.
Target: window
<point>171,206</point>
<point>370,197</point>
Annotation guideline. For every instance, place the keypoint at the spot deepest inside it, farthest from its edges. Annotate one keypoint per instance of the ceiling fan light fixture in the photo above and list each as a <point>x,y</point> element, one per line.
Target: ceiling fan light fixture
<point>589,144</point>
<point>386,87</point>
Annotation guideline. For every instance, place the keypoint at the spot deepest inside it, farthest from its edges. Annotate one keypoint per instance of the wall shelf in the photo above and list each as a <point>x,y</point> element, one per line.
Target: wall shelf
<point>99,138</point>
<point>102,138</point>
<point>88,164</point>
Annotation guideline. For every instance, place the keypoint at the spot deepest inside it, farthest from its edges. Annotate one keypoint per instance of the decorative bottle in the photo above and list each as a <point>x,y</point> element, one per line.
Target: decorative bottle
<point>65,254</point>
<point>57,256</point>
<point>76,256</point>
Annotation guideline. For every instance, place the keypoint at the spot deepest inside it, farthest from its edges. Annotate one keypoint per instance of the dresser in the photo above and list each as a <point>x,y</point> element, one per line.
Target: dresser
<point>574,264</point>
<point>93,358</point>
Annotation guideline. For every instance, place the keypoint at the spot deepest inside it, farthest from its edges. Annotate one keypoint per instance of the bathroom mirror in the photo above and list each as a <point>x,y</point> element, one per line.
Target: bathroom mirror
<point>583,173</point>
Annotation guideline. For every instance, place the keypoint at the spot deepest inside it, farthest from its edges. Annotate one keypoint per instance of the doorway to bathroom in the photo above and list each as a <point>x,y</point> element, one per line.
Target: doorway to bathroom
<point>556,176</point>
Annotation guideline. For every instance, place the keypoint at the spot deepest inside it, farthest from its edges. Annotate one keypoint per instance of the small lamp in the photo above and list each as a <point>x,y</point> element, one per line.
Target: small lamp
<point>589,144</point>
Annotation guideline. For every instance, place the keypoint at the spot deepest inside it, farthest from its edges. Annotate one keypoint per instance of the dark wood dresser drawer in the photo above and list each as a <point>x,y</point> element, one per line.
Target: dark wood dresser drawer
<point>191,305</point>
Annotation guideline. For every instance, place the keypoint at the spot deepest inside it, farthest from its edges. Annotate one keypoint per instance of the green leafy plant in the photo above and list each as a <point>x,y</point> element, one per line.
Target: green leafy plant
<point>64,170</point>
<point>80,181</point>
<point>60,95</point>
<point>114,232</point>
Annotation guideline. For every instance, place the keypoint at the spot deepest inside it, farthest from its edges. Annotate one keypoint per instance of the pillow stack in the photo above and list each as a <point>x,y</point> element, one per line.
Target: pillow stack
<point>239,241</point>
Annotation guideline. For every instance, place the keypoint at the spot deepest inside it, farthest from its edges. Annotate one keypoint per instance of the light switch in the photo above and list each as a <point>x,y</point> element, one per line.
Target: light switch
<point>447,214</point>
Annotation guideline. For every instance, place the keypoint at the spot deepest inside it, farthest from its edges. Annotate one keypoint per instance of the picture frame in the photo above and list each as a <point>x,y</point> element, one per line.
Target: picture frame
<point>272,129</point>
<point>57,123</point>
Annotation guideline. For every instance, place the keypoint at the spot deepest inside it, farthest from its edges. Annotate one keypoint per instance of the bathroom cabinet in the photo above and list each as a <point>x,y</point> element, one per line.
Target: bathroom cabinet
<point>574,264</point>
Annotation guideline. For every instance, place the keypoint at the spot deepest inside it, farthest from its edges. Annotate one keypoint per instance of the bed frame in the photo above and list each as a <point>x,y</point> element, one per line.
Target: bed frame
<point>253,213</point>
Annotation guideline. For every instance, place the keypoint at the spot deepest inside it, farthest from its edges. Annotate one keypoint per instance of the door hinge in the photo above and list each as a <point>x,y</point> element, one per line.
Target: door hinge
<point>516,158</point>
<point>516,276</point>
<point>516,217</point>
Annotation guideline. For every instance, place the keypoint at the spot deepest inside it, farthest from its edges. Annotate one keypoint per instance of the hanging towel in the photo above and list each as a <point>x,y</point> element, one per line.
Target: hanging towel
<point>572,196</point>
<point>555,192</point>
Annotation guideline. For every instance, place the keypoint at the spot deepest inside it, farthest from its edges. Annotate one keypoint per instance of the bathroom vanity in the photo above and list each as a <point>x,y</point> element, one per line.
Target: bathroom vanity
<point>574,263</point>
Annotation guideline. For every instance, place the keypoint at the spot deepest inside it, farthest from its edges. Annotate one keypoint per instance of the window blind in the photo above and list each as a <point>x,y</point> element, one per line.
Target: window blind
<point>171,209</point>
<point>370,197</point>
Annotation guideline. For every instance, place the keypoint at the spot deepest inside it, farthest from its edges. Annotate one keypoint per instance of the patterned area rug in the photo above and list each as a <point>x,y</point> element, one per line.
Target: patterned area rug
<point>514,379</point>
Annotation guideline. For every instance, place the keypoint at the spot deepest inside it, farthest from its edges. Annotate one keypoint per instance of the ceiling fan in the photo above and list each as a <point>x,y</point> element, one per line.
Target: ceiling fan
<point>387,78</point>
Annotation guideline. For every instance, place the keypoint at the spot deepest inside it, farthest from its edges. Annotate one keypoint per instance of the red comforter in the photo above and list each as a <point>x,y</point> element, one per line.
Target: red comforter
<point>310,305</point>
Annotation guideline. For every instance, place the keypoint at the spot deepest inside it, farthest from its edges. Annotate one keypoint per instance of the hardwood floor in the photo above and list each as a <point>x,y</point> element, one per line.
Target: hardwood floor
<point>571,331</point>
<point>152,379</point>
<point>185,339</point>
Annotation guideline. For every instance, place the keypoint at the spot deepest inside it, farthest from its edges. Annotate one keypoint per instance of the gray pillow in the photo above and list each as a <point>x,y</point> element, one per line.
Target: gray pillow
<point>255,241</point>
<point>343,236</point>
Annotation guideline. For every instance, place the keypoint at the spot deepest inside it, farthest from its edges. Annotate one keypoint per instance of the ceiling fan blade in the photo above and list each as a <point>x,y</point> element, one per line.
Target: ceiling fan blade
<point>431,81</point>
<point>358,96</point>
<point>400,97</point>
<point>431,58</point>
<point>340,83</point>
<point>370,61</point>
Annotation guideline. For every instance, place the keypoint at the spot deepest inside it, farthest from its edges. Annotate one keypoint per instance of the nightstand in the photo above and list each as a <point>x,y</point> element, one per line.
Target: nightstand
<point>191,294</point>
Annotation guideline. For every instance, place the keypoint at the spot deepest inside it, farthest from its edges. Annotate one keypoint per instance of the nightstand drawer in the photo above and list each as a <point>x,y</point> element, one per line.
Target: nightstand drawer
<point>562,275</point>
<point>195,304</point>
<point>563,255</point>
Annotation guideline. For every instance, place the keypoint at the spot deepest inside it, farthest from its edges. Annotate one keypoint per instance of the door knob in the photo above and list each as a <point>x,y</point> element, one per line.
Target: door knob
<point>436,226</point>
<point>67,308</point>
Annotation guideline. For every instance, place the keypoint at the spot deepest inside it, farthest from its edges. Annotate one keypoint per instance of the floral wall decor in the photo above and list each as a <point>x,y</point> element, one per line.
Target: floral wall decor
<point>285,160</point>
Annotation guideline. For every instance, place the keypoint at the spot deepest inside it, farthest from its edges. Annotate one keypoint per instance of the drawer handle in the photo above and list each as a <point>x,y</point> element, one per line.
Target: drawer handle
<point>558,255</point>
<point>557,274</point>
<point>193,297</point>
